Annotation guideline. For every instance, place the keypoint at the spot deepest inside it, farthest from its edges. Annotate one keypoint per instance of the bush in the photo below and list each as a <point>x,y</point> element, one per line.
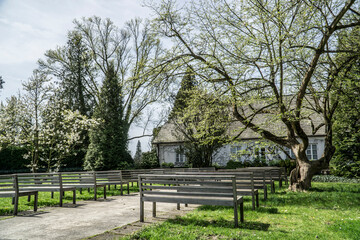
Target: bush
<point>11,160</point>
<point>346,162</point>
<point>331,178</point>
<point>234,164</point>
<point>259,162</point>
<point>167,165</point>
<point>149,160</point>
<point>287,163</point>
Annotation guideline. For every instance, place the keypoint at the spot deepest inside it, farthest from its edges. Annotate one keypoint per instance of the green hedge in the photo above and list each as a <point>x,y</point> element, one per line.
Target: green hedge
<point>11,160</point>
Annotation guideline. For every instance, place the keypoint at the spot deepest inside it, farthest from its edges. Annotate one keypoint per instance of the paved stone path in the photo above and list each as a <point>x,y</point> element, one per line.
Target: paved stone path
<point>85,219</point>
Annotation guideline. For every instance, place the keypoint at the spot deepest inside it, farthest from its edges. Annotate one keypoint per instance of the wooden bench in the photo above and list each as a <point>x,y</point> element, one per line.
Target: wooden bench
<point>132,176</point>
<point>9,187</point>
<point>259,179</point>
<point>277,173</point>
<point>111,178</point>
<point>80,180</point>
<point>219,190</point>
<point>244,184</point>
<point>45,182</point>
<point>261,175</point>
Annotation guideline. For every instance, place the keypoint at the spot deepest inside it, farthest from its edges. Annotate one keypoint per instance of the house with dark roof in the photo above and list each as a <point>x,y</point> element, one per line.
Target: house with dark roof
<point>247,144</point>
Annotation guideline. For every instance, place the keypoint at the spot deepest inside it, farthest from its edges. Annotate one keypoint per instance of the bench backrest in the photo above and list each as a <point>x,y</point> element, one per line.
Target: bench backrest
<point>244,180</point>
<point>264,174</point>
<point>200,189</point>
<point>39,180</point>
<point>78,178</point>
<point>276,172</point>
<point>133,175</point>
<point>9,183</point>
<point>109,177</point>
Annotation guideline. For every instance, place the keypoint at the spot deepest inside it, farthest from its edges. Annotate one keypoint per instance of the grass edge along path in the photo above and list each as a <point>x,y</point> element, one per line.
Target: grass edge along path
<point>45,200</point>
<point>327,211</point>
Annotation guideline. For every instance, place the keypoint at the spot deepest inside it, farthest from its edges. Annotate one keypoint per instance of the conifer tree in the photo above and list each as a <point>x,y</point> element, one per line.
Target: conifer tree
<point>138,153</point>
<point>187,85</point>
<point>108,148</point>
<point>1,82</point>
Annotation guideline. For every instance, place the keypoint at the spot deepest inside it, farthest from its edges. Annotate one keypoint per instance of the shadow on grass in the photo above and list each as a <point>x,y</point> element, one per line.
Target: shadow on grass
<point>221,223</point>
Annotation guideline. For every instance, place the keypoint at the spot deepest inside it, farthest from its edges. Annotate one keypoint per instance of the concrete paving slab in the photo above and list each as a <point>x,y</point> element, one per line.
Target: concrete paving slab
<point>87,218</point>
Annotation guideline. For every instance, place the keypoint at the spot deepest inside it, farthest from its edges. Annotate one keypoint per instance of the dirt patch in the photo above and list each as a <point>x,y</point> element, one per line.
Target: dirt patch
<point>137,226</point>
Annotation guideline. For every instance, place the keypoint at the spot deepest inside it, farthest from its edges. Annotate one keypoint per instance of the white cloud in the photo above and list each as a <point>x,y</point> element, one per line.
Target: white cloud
<point>30,27</point>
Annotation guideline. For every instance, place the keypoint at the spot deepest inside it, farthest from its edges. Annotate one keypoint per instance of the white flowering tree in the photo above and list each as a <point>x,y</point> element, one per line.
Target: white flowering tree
<point>62,130</point>
<point>39,122</point>
<point>13,123</point>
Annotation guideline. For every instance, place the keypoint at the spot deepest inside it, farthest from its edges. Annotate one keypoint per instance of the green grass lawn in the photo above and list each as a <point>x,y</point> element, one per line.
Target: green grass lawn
<point>328,211</point>
<point>6,208</point>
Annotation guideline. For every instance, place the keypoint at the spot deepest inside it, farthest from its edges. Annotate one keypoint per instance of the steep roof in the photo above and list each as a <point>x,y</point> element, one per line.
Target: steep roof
<point>170,134</point>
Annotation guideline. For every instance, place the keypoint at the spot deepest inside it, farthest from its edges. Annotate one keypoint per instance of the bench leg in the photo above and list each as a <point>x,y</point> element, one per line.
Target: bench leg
<point>280,183</point>
<point>141,210</point>
<point>121,189</point>
<point>265,193</point>
<point>29,198</point>
<point>13,201</point>
<point>154,209</point>
<point>105,192</point>
<point>52,194</point>
<point>253,201</point>
<point>74,197</point>
<point>16,204</point>
<point>128,188</point>
<point>109,187</point>
<point>257,200</point>
<point>236,216</point>
<point>61,198</point>
<point>186,204</point>
<point>95,193</point>
<point>178,206</point>
<point>242,212</point>
<point>272,187</point>
<point>80,190</point>
<point>36,197</point>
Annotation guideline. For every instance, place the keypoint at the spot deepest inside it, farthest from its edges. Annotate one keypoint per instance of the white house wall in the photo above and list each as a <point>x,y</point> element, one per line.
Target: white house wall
<point>167,152</point>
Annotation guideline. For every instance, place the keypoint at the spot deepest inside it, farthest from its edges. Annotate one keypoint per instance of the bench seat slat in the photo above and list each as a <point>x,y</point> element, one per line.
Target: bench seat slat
<point>200,201</point>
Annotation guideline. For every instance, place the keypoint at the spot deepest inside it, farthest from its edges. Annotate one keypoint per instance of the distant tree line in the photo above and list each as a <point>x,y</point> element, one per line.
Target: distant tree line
<point>78,106</point>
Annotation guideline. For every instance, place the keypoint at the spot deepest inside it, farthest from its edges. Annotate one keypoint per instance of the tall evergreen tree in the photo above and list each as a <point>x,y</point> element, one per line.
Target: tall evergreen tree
<point>108,148</point>
<point>138,153</point>
<point>187,85</point>
<point>1,82</point>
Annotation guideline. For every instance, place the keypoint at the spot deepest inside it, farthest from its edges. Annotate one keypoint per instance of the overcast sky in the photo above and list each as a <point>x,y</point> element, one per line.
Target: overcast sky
<point>30,27</point>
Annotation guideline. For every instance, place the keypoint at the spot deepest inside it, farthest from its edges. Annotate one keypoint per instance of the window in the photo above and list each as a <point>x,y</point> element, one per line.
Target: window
<point>289,152</point>
<point>311,151</point>
<point>236,153</point>
<point>180,157</point>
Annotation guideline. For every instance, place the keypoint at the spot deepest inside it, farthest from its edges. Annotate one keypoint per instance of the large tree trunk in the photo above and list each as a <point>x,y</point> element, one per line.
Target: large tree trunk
<point>301,176</point>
